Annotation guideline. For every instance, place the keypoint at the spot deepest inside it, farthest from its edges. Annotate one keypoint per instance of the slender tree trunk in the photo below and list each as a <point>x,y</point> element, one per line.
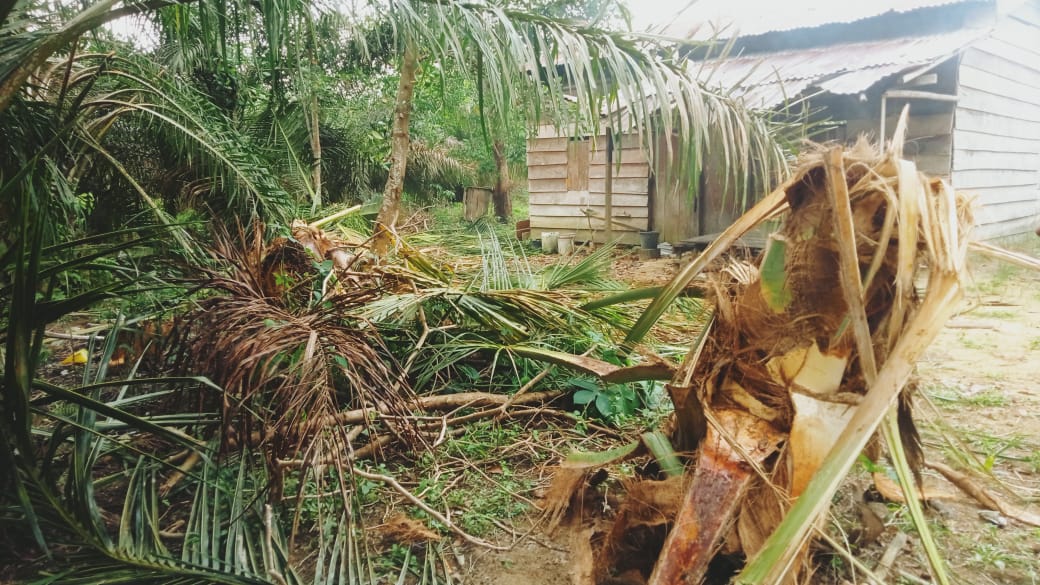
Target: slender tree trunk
<point>399,145</point>
<point>500,193</point>
<point>315,124</point>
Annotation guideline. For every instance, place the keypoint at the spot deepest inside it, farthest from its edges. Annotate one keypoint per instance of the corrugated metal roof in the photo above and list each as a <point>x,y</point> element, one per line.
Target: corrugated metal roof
<point>767,80</point>
<point>755,17</point>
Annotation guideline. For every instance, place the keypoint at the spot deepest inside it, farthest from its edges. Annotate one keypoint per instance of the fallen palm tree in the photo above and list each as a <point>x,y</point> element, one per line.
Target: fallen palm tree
<point>805,357</point>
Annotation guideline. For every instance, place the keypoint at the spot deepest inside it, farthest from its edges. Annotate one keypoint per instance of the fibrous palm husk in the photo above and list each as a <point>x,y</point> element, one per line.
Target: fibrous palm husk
<point>816,348</point>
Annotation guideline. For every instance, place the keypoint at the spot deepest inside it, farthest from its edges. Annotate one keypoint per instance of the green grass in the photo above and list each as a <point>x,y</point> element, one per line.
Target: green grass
<point>1003,315</point>
<point>970,342</point>
<point>952,396</point>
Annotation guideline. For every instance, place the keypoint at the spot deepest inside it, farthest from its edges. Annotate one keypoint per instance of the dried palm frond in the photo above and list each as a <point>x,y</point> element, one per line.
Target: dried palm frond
<point>288,365</point>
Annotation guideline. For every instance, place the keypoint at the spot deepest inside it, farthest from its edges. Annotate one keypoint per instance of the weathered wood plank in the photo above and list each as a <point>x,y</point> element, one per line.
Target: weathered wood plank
<point>1023,225</point>
<point>549,210</point>
<point>629,186</point>
<point>579,223</point>
<point>969,140</point>
<point>989,93</point>
<point>625,156</point>
<point>993,123</point>
<point>629,238</point>
<point>1006,212</point>
<point>547,144</point>
<point>1005,50</point>
<point>1020,34</point>
<point>621,186</point>
<point>585,198</point>
<point>546,157</point>
<point>977,160</point>
<point>977,179</point>
<point>578,165</point>
<point>979,59</point>
<point>547,185</point>
<point>626,170</point>
<point>547,172</point>
<point>1001,195</point>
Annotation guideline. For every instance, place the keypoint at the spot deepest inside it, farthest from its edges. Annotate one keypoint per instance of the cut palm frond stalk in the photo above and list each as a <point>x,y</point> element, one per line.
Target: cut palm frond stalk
<point>796,375</point>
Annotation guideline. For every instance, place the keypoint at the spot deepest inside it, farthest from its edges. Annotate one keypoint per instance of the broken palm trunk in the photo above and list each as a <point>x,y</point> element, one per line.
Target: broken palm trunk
<point>794,354</point>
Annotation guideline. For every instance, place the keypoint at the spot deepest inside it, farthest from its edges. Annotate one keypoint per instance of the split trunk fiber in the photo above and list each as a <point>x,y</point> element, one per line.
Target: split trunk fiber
<point>809,349</point>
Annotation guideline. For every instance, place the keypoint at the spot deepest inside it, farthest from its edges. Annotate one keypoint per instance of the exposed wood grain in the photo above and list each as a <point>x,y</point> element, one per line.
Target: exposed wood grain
<point>578,211</point>
<point>555,171</point>
<point>999,195</point>
<point>973,160</point>
<point>547,185</point>
<point>584,199</point>
<point>991,122</point>
<point>626,237</point>
<point>1021,225</point>
<point>547,157</point>
<point>547,145</point>
<point>622,171</point>
<point>976,179</point>
<point>579,223</point>
<point>1003,212</point>
<point>980,60</point>
<point>989,101</point>
<point>970,140</point>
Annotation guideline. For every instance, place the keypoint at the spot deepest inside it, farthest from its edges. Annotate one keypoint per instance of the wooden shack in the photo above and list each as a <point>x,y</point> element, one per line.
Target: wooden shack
<point>566,178</point>
<point>968,69</point>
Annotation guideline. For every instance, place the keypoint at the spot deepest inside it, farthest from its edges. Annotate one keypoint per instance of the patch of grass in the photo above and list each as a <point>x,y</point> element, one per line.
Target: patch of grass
<point>970,342</point>
<point>953,396</point>
<point>1002,314</point>
<point>1034,344</point>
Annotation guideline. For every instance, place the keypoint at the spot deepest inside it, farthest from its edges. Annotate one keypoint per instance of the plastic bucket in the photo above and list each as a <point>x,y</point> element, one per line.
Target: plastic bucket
<point>550,241</point>
<point>649,239</point>
<point>566,243</point>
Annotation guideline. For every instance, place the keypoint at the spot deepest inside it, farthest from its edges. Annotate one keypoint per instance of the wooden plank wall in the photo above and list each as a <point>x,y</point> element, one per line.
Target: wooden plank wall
<point>555,207</point>
<point>997,138</point>
<point>673,205</point>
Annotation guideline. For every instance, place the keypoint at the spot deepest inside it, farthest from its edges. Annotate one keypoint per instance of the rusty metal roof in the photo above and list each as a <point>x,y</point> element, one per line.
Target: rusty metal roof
<point>768,80</point>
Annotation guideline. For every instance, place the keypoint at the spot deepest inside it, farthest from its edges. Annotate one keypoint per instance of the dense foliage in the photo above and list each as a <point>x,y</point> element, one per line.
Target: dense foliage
<point>122,161</point>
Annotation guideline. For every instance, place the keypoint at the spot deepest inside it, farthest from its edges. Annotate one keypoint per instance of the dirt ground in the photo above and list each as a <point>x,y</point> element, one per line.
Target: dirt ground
<point>978,410</point>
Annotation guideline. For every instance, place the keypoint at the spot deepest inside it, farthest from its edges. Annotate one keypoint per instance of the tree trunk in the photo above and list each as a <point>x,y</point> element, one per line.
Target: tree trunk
<point>399,145</point>
<point>500,193</point>
<point>315,124</point>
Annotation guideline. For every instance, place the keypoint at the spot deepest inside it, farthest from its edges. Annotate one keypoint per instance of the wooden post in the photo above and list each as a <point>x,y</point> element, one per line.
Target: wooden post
<point>608,195</point>
<point>475,203</point>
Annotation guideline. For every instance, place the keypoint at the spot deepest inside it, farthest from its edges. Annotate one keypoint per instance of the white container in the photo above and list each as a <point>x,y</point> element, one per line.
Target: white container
<point>550,241</point>
<point>566,244</point>
<point>666,249</point>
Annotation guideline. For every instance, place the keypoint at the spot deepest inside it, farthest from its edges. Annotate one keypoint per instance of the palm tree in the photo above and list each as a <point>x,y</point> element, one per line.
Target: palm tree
<point>57,109</point>
<point>536,62</point>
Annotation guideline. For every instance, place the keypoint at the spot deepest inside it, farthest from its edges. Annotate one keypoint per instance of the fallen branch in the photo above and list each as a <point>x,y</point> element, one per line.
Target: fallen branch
<point>393,483</point>
<point>985,496</point>
<point>439,402</point>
